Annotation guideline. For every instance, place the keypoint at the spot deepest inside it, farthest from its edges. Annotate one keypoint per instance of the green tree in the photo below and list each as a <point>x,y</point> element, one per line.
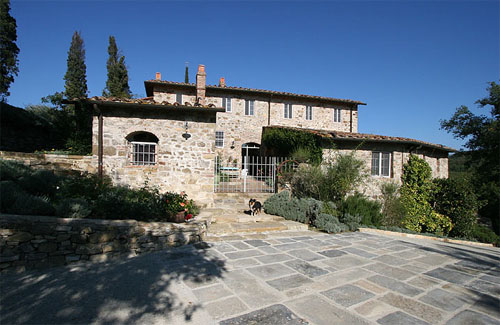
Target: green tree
<point>483,140</point>
<point>8,49</point>
<point>186,75</point>
<point>76,74</point>
<point>117,83</point>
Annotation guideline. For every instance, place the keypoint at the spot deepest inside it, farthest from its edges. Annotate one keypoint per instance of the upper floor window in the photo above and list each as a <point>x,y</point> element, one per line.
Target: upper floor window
<point>143,148</point>
<point>337,114</point>
<point>309,113</point>
<point>249,107</point>
<point>226,103</point>
<point>178,98</point>
<point>381,163</point>
<point>219,139</point>
<point>288,111</point>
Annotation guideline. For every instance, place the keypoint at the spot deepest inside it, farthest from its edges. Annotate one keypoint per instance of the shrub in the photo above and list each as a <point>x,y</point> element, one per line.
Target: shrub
<point>457,199</point>
<point>87,186</point>
<point>368,210</point>
<point>12,170</point>
<point>39,182</point>
<point>283,142</point>
<point>301,210</point>
<point>330,208</point>
<point>28,204</point>
<point>9,192</point>
<point>329,223</point>
<point>392,208</point>
<point>485,235</point>
<point>73,208</point>
<point>351,221</point>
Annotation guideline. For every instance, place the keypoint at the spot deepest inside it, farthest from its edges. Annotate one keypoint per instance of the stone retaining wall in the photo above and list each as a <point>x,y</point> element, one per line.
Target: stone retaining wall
<point>30,242</point>
<point>52,161</point>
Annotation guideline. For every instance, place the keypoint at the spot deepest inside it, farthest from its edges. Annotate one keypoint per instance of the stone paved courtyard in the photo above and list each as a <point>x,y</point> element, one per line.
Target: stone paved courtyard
<point>283,278</point>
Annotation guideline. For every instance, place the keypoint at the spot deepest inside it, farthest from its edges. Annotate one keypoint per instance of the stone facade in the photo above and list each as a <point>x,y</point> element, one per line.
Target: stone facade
<point>181,164</point>
<point>29,242</point>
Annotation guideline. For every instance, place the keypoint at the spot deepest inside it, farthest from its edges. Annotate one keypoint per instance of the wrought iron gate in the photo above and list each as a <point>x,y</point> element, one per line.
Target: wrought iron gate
<point>253,175</point>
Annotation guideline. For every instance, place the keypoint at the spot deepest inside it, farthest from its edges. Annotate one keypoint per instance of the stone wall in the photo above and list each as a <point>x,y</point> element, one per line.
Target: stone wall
<point>242,129</point>
<point>437,160</point>
<point>29,242</point>
<point>182,164</point>
<point>52,161</point>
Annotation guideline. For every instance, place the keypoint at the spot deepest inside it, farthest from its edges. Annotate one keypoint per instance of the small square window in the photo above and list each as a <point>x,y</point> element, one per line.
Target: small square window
<point>249,107</point>
<point>226,103</point>
<point>219,139</point>
<point>309,113</point>
<point>381,164</point>
<point>288,111</point>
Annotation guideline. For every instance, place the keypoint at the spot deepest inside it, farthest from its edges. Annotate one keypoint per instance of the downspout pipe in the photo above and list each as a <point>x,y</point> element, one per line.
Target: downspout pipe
<point>99,142</point>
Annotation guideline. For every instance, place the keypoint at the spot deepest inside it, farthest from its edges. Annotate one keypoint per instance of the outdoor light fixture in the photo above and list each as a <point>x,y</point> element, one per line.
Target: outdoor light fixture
<point>232,145</point>
<point>186,135</point>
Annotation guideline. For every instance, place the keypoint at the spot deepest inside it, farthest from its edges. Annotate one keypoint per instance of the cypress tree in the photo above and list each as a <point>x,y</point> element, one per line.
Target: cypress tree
<point>186,74</point>
<point>76,75</point>
<point>117,83</point>
<point>8,49</point>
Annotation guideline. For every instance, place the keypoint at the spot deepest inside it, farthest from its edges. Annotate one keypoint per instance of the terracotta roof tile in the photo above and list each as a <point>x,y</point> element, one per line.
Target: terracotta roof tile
<point>367,137</point>
<point>261,91</point>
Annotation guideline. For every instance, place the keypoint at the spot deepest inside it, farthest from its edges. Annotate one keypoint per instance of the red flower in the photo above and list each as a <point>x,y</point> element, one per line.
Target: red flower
<point>189,216</point>
<point>182,204</point>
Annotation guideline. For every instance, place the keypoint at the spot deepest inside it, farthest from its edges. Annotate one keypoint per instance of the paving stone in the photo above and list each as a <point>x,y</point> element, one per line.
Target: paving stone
<point>409,254</point>
<point>484,286</point>
<point>416,267</point>
<point>240,245</point>
<point>471,317</point>
<point>332,253</point>
<point>389,271</point>
<point>359,252</point>
<point>305,255</point>
<point>320,311</point>
<point>477,264</point>
<point>272,315</point>
<point>306,268</point>
<point>370,286</point>
<point>414,307</point>
<point>225,308</point>
<point>208,274</point>
<point>316,243</point>
<point>433,259</point>
<point>290,246</point>
<point>491,278</point>
<point>395,285</point>
<point>224,248</point>
<point>269,250</point>
<point>289,282</point>
<point>488,305</point>
<point>270,271</point>
<point>374,309</point>
<point>345,262</point>
<point>399,318</point>
<point>248,289</point>
<point>443,299</point>
<point>348,295</point>
<point>285,240</point>
<point>211,293</point>
<point>397,248</point>
<point>423,282</point>
<point>339,242</point>
<point>274,258</point>
<point>391,260</point>
<point>243,254</point>
<point>342,277</point>
<point>242,263</point>
<point>462,269</point>
<point>257,242</point>
<point>449,275</point>
<point>302,238</point>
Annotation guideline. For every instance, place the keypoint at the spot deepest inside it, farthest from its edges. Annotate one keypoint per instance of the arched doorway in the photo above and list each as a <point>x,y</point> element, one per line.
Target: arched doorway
<point>250,152</point>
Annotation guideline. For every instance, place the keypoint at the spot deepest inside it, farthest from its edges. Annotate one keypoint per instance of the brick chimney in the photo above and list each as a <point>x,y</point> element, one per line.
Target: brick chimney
<point>222,82</point>
<point>201,82</point>
<point>158,76</point>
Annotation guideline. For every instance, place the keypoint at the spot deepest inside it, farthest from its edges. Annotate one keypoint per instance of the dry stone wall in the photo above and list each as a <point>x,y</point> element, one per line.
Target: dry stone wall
<point>30,242</point>
<point>52,161</point>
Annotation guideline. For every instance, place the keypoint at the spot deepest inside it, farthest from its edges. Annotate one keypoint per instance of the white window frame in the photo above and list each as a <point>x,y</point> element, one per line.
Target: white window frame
<point>249,107</point>
<point>178,98</point>
<point>288,111</point>
<point>380,155</point>
<point>219,139</point>
<point>226,103</point>
<point>309,112</point>
<point>135,155</point>
<point>337,115</point>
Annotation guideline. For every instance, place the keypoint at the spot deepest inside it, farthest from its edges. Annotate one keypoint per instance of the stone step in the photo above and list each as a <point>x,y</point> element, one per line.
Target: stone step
<point>254,227</point>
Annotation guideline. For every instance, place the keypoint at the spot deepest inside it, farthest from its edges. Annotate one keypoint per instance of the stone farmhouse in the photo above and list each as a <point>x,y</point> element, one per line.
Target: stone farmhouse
<point>170,139</point>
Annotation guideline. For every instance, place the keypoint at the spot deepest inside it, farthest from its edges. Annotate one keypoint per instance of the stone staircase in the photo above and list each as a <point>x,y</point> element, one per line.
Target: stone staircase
<point>230,216</point>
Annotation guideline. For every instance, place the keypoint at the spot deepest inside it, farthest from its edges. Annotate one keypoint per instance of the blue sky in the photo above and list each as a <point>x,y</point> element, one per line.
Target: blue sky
<point>412,62</point>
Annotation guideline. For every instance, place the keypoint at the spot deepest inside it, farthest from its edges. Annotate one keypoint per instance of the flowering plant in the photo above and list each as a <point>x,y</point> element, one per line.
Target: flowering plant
<point>176,203</point>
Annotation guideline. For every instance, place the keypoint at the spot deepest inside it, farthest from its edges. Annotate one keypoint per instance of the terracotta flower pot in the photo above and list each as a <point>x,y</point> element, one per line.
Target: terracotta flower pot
<point>178,217</point>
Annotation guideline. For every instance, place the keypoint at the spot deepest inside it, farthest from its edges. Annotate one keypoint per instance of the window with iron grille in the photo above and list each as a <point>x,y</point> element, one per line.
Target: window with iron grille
<point>226,103</point>
<point>249,107</point>
<point>288,111</point>
<point>143,153</point>
<point>337,114</point>
<point>309,113</point>
<point>178,98</point>
<point>219,139</point>
<point>381,163</point>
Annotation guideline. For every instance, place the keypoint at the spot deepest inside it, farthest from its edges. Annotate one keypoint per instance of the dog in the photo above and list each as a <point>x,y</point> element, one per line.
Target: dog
<point>255,207</point>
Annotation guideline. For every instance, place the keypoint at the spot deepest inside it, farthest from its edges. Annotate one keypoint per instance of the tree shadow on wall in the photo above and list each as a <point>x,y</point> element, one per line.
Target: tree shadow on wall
<point>143,289</point>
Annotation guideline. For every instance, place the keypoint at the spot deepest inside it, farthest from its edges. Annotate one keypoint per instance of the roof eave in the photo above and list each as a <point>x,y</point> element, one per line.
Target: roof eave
<point>148,106</point>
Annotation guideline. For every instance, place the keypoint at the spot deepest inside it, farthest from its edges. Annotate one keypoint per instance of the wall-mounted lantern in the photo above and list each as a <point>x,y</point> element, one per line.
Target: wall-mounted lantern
<point>186,135</point>
<point>232,145</point>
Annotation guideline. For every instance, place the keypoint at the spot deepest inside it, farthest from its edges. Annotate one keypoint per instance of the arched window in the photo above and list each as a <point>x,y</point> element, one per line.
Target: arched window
<point>143,148</point>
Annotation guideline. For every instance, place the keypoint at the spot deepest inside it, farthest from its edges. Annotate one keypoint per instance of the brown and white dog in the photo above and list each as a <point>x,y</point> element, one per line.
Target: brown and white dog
<point>255,207</point>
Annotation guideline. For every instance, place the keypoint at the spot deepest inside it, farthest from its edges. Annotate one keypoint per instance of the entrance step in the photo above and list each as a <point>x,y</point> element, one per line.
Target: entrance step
<point>254,227</point>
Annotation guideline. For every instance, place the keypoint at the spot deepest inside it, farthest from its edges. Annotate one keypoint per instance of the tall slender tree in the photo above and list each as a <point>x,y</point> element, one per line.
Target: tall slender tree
<point>8,49</point>
<point>186,74</point>
<point>117,83</point>
<point>76,74</point>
